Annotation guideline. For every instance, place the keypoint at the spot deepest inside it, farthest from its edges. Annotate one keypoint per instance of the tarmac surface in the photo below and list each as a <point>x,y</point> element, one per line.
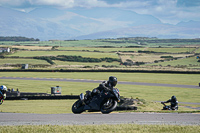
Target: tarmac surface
<point>98,118</point>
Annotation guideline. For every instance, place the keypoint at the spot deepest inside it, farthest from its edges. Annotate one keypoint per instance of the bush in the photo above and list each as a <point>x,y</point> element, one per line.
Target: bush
<point>48,59</point>
<point>167,57</point>
<point>83,59</point>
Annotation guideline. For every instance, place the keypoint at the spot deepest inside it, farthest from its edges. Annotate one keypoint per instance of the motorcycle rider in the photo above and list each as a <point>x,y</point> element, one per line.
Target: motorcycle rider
<point>3,90</point>
<point>174,103</point>
<point>105,85</point>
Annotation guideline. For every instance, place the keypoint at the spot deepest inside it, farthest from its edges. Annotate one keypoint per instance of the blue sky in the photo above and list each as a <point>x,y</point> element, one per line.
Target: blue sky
<point>168,11</point>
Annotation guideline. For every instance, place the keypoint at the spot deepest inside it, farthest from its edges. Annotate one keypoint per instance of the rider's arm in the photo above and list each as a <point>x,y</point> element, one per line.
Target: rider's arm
<point>168,101</point>
<point>1,94</point>
<point>103,85</point>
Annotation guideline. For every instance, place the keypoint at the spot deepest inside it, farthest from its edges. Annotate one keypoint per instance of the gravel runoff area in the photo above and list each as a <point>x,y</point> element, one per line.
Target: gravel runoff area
<point>98,118</point>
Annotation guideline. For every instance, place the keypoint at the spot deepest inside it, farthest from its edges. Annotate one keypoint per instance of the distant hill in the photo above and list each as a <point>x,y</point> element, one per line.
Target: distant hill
<point>155,30</point>
<point>94,23</point>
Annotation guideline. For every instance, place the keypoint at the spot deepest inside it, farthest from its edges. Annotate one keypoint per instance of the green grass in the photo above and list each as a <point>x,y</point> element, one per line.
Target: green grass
<point>198,50</point>
<point>185,62</point>
<point>184,79</point>
<point>119,128</point>
<point>86,48</point>
<point>64,106</point>
<point>22,61</point>
<point>55,53</point>
<point>37,106</point>
<point>149,93</point>
<point>102,42</point>
<point>152,57</point>
<point>86,63</point>
<point>100,49</point>
<point>171,50</point>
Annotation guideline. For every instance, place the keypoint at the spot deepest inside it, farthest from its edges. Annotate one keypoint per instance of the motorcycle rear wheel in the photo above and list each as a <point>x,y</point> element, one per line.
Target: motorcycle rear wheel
<point>77,107</point>
<point>108,106</point>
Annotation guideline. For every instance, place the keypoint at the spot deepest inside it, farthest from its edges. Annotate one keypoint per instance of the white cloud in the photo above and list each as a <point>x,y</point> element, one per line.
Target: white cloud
<point>90,3</point>
<point>62,3</point>
<point>169,11</point>
<point>11,3</point>
<point>56,3</point>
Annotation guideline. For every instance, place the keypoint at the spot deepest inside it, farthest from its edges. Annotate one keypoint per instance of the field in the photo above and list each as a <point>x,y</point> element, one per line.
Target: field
<point>148,93</point>
<point>55,53</point>
<point>122,128</point>
<point>22,61</point>
<point>133,53</point>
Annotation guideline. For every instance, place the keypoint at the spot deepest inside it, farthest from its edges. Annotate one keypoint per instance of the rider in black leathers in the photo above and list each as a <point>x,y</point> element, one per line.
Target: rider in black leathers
<point>105,85</point>
<point>174,103</point>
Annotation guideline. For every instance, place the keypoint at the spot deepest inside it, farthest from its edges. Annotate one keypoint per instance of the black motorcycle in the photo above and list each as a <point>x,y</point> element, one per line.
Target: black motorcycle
<point>168,107</point>
<point>105,101</point>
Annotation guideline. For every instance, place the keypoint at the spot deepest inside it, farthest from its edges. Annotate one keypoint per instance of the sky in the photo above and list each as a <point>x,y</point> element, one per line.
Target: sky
<point>168,11</point>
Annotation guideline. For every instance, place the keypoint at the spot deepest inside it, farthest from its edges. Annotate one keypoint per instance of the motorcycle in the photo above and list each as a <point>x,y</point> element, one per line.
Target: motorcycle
<point>2,98</point>
<point>168,107</point>
<point>105,101</point>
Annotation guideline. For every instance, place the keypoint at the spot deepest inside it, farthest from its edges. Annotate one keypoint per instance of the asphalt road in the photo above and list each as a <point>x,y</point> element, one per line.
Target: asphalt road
<point>98,118</point>
<point>99,81</point>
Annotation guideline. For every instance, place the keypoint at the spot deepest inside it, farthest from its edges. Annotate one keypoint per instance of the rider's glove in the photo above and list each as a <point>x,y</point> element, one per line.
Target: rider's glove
<point>4,96</point>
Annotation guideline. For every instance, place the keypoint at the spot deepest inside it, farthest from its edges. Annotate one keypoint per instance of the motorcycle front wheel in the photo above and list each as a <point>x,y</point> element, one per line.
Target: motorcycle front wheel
<point>108,106</point>
<point>77,107</point>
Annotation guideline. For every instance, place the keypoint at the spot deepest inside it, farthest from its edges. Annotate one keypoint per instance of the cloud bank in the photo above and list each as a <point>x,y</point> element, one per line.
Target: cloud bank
<point>171,11</point>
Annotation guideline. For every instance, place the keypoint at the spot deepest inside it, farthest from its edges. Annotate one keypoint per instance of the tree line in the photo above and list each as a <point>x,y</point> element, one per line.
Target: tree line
<point>50,59</point>
<point>17,39</point>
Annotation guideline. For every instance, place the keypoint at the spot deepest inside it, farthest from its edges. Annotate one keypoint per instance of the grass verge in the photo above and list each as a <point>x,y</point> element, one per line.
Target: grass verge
<point>122,128</point>
<point>184,79</point>
<point>64,106</point>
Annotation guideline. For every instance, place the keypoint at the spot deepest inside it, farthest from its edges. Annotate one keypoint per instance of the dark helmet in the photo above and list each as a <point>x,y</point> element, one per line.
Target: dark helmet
<point>173,98</point>
<point>113,81</point>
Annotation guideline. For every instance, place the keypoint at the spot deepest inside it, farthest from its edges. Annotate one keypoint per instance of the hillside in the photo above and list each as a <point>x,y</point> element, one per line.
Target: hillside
<point>93,23</point>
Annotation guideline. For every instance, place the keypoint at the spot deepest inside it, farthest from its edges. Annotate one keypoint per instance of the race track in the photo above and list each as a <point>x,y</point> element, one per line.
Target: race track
<point>98,118</point>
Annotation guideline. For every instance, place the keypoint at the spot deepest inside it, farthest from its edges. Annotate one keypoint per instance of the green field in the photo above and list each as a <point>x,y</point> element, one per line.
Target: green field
<point>55,53</point>
<point>125,49</point>
<point>79,64</point>
<point>149,42</point>
<point>22,61</point>
<point>122,128</point>
<point>133,53</point>
<point>172,50</point>
<point>188,62</point>
<point>184,79</point>
<point>114,49</point>
<point>148,93</point>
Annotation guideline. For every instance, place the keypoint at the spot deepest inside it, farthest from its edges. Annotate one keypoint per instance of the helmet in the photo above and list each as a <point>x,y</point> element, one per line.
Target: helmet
<point>113,81</point>
<point>173,98</point>
<point>3,88</point>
